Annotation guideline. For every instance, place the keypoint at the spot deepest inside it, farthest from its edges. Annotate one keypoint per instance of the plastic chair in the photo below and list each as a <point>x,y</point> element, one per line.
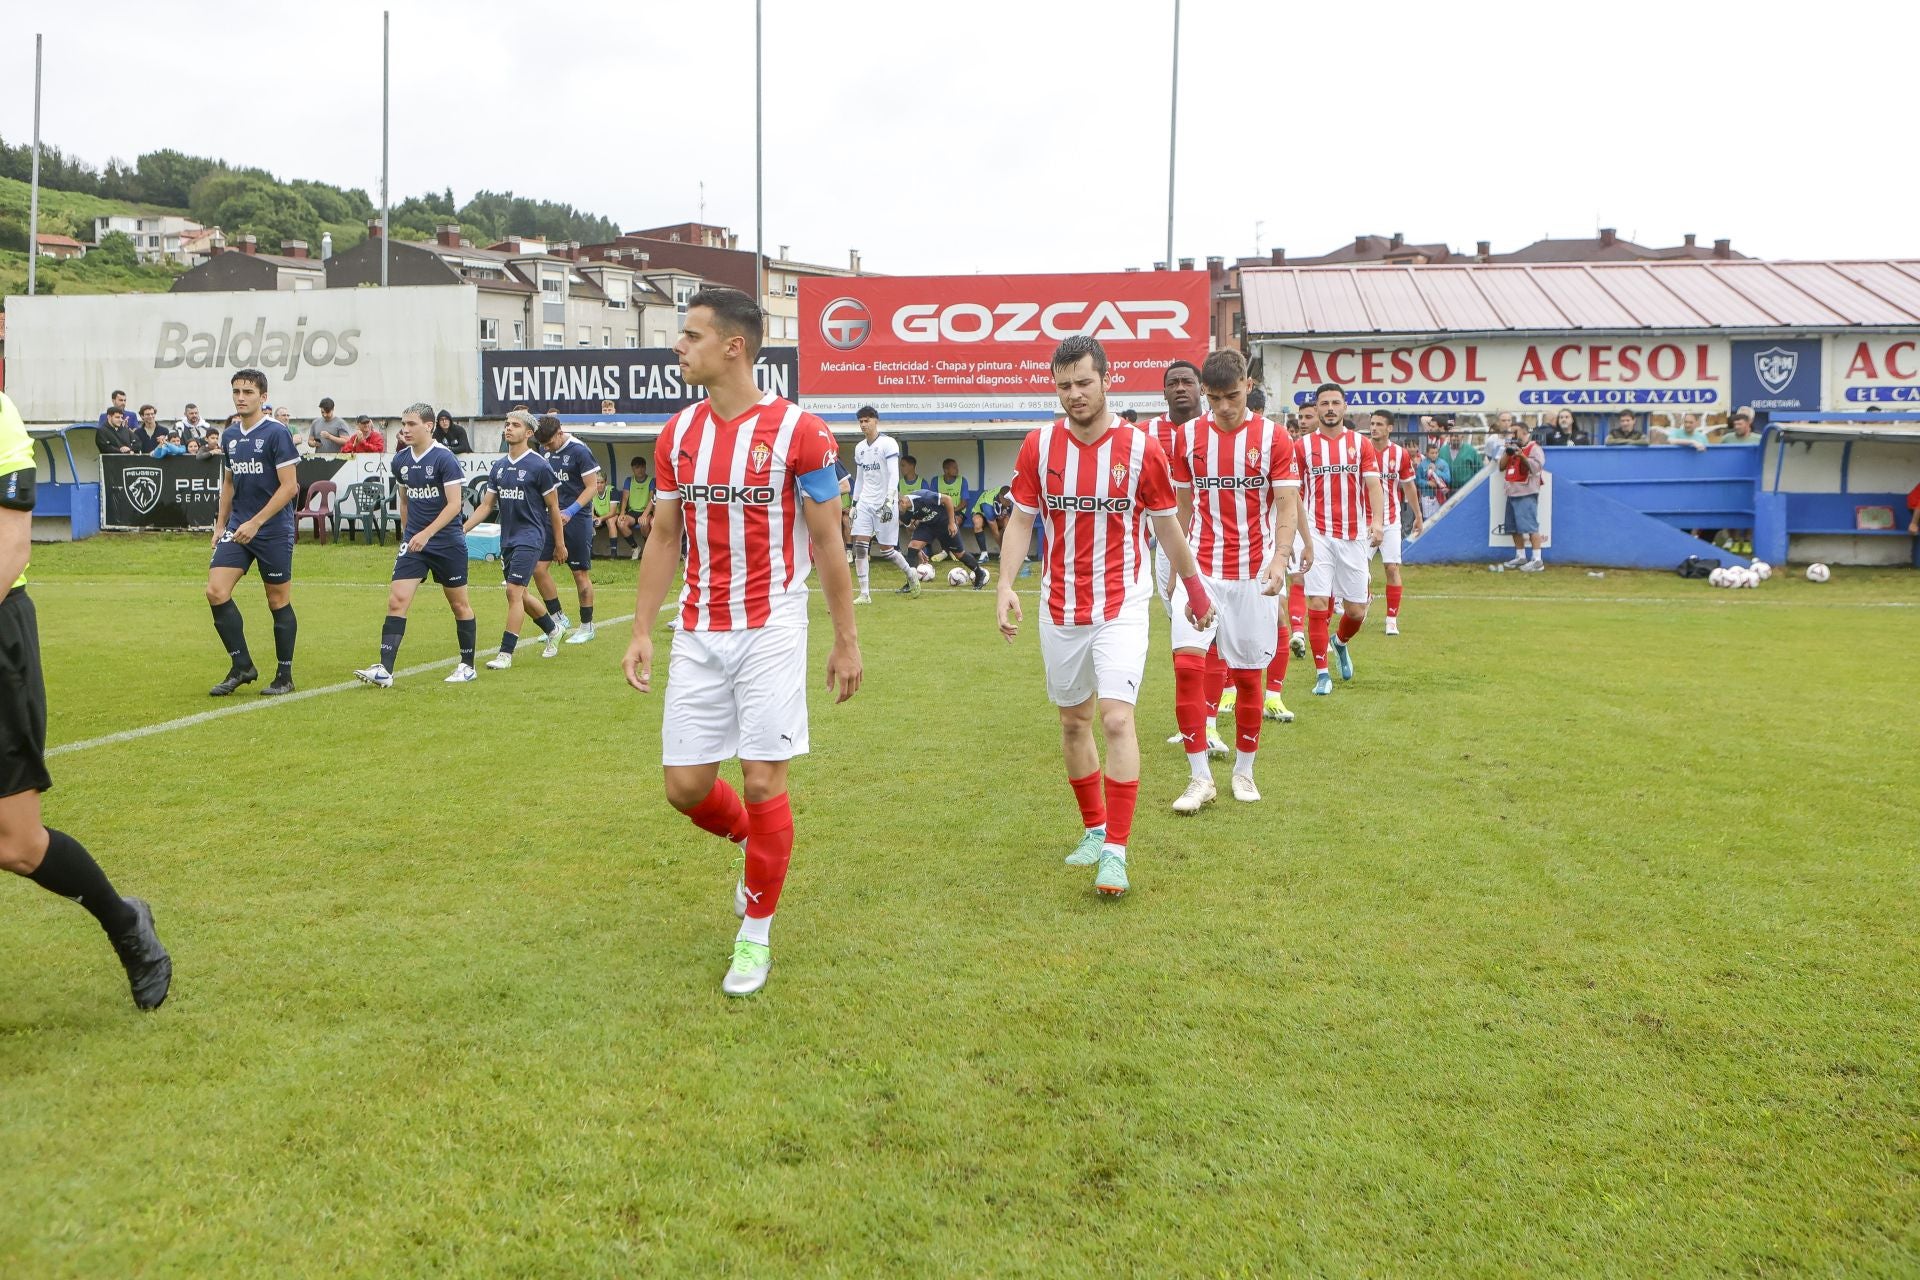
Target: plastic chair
<point>369,512</point>
<point>320,508</point>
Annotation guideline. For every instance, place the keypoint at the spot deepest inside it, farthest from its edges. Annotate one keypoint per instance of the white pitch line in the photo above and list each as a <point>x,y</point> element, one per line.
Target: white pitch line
<point>262,704</point>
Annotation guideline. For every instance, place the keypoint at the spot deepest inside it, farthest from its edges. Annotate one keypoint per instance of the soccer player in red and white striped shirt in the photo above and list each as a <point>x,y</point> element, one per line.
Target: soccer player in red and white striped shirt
<point>1396,485</point>
<point>1238,482</point>
<point>1180,384</point>
<point>1341,479</point>
<point>750,480</point>
<point>1096,480</point>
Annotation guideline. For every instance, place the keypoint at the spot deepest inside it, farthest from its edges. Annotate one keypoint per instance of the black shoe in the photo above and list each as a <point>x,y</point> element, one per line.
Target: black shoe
<point>235,678</point>
<point>280,685</point>
<point>903,591</point>
<point>149,967</point>
<point>979,579</point>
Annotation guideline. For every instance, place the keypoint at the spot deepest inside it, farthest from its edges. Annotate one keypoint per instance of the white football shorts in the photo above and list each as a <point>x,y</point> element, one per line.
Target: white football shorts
<point>1246,623</point>
<point>1340,568</point>
<point>1390,544</point>
<point>868,523</point>
<point>736,694</point>
<point>1107,658</point>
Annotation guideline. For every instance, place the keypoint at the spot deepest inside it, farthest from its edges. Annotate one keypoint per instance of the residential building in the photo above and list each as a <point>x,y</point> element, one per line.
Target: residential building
<point>243,266</point>
<point>155,238</point>
<point>61,247</point>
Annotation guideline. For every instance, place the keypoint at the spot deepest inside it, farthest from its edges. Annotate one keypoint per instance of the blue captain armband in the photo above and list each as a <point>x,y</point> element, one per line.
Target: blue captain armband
<point>821,486</point>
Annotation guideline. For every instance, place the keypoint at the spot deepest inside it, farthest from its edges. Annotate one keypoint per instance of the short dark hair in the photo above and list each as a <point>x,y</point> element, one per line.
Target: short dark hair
<point>326,404</point>
<point>1256,400</point>
<point>735,312</point>
<point>1130,415</point>
<point>1325,387</point>
<point>867,411</point>
<point>1080,346</point>
<point>111,411</point>
<point>1383,413</point>
<point>116,393</point>
<point>254,376</point>
<point>547,428</point>
<point>1223,370</point>
<point>638,460</point>
<point>145,407</point>
<point>907,457</point>
<point>949,462</point>
<point>190,405</point>
<point>1180,364</point>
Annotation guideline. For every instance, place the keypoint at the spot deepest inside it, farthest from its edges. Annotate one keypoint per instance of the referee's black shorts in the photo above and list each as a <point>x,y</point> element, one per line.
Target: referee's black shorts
<point>23,699</point>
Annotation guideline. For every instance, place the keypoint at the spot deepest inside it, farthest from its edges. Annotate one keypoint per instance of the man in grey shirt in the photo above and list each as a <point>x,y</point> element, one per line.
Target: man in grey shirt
<point>1521,472</point>
<point>329,432</point>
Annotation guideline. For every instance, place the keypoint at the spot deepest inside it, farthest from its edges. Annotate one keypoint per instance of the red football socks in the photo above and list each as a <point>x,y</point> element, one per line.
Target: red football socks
<point>1317,636</point>
<point>1246,710</point>
<point>1277,669</point>
<point>1296,606</point>
<point>1216,681</point>
<point>1393,600</point>
<point>1120,798</point>
<point>1093,806</point>
<point>769,850</point>
<point>721,813</point>
<point>1349,626</point>
<point>1189,700</point>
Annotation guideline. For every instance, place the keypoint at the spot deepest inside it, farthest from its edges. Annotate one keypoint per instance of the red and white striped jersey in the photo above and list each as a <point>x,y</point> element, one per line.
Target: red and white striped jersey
<point>1235,477</point>
<point>1092,501</point>
<point>738,486</point>
<point>1333,471</point>
<point>1166,433</point>
<point>1396,465</point>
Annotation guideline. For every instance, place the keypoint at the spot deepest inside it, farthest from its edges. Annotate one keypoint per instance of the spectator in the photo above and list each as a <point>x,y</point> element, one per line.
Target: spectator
<point>165,445</point>
<point>119,401</point>
<point>1459,460</point>
<point>634,520</point>
<point>451,434</point>
<point>148,432</point>
<point>1626,429</point>
<point>1430,478</point>
<point>1131,415</point>
<point>1256,402</point>
<point>112,435</point>
<point>1526,463</point>
<point>1564,429</point>
<point>608,408</point>
<point>1740,429</point>
<point>210,446</point>
<point>329,434</point>
<point>1688,433</point>
<point>1495,442</point>
<point>196,446</point>
<point>191,426</point>
<point>366,438</point>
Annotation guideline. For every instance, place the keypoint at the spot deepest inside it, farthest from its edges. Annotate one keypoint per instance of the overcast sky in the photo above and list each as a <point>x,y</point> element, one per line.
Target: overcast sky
<point>1031,135</point>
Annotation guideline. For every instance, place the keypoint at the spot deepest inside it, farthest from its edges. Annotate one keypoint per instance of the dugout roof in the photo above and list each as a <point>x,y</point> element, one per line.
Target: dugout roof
<point>1484,298</point>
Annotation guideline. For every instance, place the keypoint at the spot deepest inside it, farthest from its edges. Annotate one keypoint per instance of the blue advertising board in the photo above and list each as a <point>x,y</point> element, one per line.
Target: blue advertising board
<point>1776,374</point>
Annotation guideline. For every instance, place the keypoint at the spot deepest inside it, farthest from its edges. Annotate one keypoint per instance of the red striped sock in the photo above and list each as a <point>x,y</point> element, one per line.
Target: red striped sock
<point>721,813</point>
<point>1246,710</point>
<point>769,850</point>
<point>1393,600</point>
<point>1120,798</point>
<point>1093,806</point>
<point>1317,636</point>
<point>1190,710</point>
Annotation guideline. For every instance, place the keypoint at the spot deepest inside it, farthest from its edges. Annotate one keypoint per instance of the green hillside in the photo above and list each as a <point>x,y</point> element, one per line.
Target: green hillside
<point>71,213</point>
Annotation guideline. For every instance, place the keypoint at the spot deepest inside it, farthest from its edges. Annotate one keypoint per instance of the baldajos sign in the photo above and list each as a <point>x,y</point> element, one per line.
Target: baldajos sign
<point>371,350</point>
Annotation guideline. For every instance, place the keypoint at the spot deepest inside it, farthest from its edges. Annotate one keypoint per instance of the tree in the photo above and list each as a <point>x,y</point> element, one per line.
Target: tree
<point>272,214</point>
<point>213,190</point>
<point>167,177</point>
<point>114,250</point>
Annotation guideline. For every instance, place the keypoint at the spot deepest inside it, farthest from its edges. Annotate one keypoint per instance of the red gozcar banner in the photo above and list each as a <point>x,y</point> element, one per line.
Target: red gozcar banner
<point>983,343</point>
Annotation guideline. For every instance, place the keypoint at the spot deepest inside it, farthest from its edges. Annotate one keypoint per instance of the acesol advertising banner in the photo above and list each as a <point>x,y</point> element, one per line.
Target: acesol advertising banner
<point>372,350</point>
<point>1881,370</point>
<point>1588,373</point>
<point>980,343</point>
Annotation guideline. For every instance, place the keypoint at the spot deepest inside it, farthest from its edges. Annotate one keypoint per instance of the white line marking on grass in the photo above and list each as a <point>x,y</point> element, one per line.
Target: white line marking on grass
<point>262,704</point>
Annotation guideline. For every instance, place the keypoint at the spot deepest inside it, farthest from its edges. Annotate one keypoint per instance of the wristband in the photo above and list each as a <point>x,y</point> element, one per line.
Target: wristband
<point>1196,595</point>
<point>571,510</point>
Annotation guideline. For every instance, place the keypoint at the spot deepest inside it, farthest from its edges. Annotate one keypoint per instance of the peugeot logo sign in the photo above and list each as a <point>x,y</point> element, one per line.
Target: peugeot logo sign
<point>845,323</point>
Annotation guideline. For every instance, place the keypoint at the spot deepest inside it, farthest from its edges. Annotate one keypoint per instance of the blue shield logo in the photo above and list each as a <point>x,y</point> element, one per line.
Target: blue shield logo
<point>1775,367</point>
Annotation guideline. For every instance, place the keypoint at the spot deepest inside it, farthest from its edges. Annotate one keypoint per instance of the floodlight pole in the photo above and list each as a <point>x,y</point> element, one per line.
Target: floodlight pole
<point>759,208</point>
<point>33,198</point>
<point>1173,129</point>
<point>386,94</point>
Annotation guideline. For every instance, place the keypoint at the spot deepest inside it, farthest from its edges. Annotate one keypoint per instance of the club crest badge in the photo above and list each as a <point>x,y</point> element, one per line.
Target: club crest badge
<point>759,456</point>
<point>1119,473</point>
<point>1775,368</point>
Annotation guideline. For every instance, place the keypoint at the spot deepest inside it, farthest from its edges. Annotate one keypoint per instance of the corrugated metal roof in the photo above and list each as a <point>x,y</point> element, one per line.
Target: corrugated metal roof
<point>1603,296</point>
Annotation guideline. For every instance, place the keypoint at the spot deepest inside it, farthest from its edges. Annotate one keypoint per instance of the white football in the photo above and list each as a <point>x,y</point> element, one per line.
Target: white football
<point>958,577</point>
<point>1818,573</point>
<point>1749,579</point>
<point>1764,569</point>
<point>1718,578</point>
<point>923,571</point>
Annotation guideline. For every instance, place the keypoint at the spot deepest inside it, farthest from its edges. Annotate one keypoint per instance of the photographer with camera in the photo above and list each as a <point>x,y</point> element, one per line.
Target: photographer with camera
<point>1523,466</point>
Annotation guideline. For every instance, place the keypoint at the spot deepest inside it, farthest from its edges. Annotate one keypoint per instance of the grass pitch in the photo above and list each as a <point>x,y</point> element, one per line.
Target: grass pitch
<point>1575,937</point>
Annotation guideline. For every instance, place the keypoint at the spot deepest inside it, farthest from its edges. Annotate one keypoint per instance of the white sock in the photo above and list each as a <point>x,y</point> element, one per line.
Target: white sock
<point>754,929</point>
<point>1117,850</point>
<point>899,561</point>
<point>1243,763</point>
<point>1536,553</point>
<point>1197,761</point>
<point>865,572</point>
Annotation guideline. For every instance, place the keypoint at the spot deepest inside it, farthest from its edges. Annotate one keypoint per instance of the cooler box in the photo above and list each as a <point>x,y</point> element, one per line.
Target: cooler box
<point>484,542</point>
